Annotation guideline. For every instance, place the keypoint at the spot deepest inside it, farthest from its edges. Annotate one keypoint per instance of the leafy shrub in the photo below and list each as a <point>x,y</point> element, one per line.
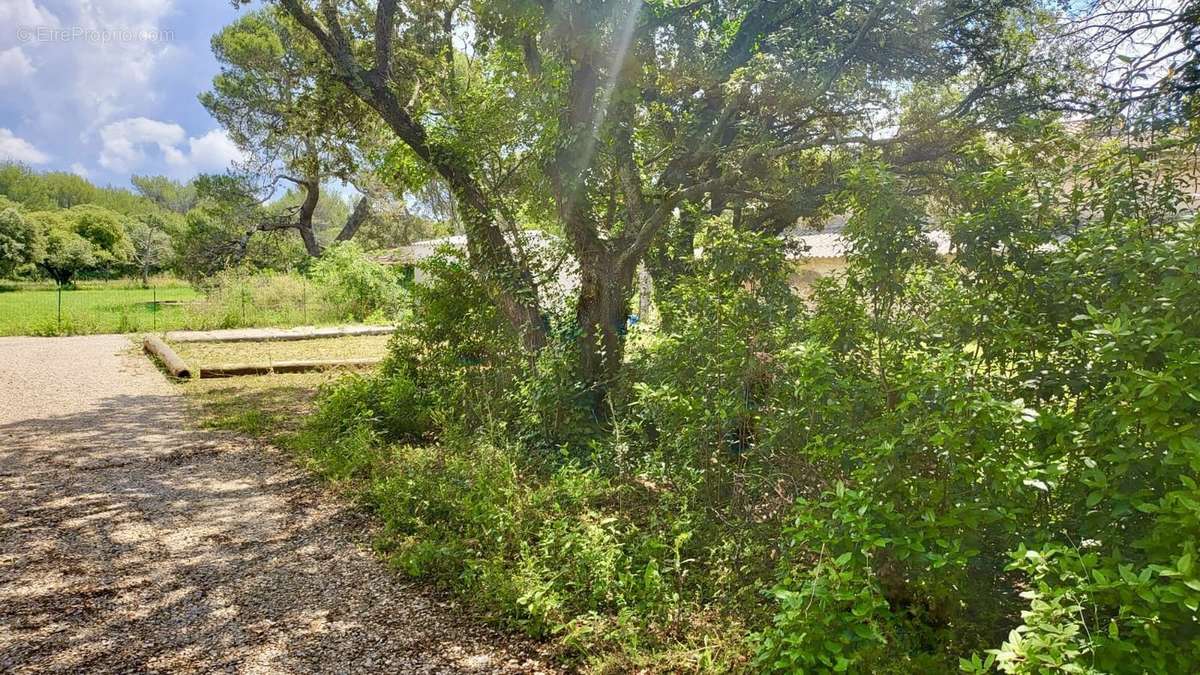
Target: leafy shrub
<point>1046,457</point>
<point>390,404</point>
<point>934,465</point>
<point>365,289</point>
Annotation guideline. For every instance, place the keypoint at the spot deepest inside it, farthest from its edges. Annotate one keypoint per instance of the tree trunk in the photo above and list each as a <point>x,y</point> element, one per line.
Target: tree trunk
<point>491,257</point>
<point>605,292</point>
<point>311,245</point>
<point>645,289</point>
<point>362,209</point>
<point>312,194</point>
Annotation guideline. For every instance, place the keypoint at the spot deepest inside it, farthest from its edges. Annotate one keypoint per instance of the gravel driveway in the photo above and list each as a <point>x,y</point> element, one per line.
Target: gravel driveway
<point>130,542</point>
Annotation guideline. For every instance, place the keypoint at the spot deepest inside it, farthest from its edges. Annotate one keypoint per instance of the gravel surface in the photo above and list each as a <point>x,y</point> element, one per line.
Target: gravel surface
<point>131,542</point>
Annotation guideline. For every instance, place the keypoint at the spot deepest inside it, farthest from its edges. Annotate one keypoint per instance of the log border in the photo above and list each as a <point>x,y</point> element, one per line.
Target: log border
<point>277,367</point>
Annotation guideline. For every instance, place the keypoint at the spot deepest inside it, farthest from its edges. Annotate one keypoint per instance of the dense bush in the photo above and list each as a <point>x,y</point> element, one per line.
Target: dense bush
<point>933,465</point>
<point>1026,480</point>
<point>21,241</point>
<point>364,288</point>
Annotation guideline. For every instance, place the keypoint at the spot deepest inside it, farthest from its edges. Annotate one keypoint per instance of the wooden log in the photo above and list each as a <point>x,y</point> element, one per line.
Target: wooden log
<point>170,360</point>
<point>238,369</point>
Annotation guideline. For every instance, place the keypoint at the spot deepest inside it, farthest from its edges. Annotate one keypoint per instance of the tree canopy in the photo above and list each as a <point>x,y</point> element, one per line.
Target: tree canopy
<point>297,124</point>
<point>615,121</point>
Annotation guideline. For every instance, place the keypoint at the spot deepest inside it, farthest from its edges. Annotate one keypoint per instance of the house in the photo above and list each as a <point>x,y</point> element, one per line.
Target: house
<point>814,254</point>
<point>820,253</point>
<point>551,262</point>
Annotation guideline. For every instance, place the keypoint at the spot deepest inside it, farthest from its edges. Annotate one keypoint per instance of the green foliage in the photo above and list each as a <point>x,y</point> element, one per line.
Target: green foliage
<point>392,405</point>
<point>169,194</point>
<point>66,254</point>
<point>150,245</point>
<point>974,462</point>
<point>82,239</point>
<point>54,190</point>
<point>1056,441</point>
<point>104,229</point>
<point>714,390</point>
<point>214,238</point>
<point>242,297</point>
<point>365,289</point>
<point>458,347</point>
<point>21,241</point>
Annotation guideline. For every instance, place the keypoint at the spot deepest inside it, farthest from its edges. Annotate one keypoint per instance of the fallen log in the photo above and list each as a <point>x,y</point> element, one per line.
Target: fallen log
<point>277,367</point>
<point>170,360</point>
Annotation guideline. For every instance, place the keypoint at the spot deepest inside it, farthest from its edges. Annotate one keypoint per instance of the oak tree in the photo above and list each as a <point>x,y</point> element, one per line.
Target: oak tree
<point>616,121</point>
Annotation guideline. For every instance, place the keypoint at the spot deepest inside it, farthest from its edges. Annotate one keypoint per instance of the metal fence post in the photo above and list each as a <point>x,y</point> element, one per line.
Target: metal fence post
<point>154,309</point>
<point>60,308</point>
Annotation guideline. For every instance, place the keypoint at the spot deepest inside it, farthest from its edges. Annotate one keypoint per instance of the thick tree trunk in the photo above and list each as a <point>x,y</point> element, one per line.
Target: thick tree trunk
<point>311,245</point>
<point>491,257</point>
<point>605,292</point>
<point>312,193</point>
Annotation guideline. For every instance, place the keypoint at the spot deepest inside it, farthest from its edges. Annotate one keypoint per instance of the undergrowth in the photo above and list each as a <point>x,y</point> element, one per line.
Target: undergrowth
<point>929,466</point>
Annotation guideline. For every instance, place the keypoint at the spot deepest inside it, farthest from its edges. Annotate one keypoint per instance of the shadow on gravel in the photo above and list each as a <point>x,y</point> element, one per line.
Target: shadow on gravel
<point>131,542</point>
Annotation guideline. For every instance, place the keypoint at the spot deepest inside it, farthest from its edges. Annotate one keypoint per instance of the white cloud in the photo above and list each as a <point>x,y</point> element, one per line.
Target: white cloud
<point>213,151</point>
<point>125,143</point>
<point>20,20</point>
<point>17,149</point>
<point>15,66</point>
<point>80,170</point>
<point>16,14</point>
<point>110,71</point>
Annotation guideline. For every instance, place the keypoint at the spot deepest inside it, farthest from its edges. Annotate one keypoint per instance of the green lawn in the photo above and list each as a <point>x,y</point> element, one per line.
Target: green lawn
<point>123,306</point>
<point>93,307</point>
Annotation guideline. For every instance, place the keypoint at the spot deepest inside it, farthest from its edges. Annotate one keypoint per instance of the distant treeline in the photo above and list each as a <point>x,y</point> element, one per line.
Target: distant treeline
<point>58,225</point>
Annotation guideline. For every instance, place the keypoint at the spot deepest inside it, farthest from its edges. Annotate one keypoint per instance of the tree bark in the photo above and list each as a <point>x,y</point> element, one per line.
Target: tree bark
<point>312,194</point>
<point>489,252</point>
<point>645,289</point>
<point>605,292</point>
<point>362,209</point>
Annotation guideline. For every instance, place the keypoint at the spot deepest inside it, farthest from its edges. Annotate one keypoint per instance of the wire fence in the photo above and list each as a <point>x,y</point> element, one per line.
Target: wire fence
<point>234,301</point>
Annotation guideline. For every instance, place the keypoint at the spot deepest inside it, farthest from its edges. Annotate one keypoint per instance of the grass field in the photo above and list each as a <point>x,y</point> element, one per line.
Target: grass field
<point>94,307</point>
<point>123,306</point>
<point>271,407</point>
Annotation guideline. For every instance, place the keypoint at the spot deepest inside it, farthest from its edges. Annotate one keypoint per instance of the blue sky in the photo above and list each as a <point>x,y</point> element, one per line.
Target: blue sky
<point>107,88</point>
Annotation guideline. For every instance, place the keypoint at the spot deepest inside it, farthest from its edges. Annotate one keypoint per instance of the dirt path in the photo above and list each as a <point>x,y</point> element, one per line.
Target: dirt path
<point>131,543</point>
